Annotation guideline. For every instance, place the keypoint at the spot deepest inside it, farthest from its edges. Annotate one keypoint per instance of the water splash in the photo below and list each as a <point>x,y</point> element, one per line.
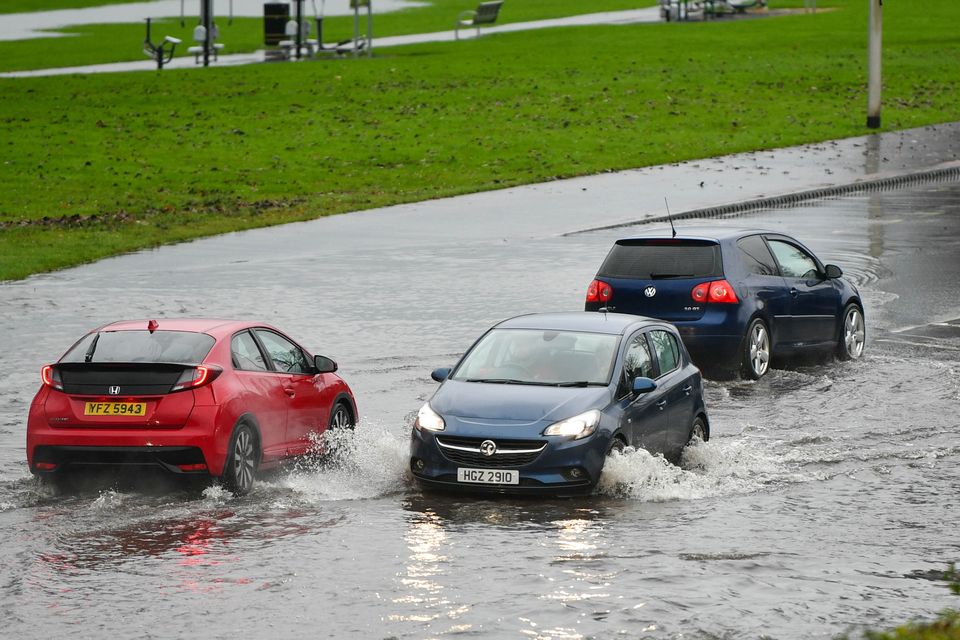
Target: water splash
<point>217,494</point>
<point>108,501</point>
<point>367,462</point>
<point>708,469</point>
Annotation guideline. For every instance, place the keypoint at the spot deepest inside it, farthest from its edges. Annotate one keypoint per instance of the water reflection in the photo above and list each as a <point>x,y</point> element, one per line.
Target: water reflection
<point>423,596</point>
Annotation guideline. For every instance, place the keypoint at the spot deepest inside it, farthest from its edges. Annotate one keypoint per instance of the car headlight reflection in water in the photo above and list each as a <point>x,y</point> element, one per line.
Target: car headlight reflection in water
<point>577,427</point>
<point>428,419</point>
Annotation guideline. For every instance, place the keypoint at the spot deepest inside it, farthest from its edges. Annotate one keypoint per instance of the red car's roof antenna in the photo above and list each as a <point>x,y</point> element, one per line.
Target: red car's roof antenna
<point>152,326</point>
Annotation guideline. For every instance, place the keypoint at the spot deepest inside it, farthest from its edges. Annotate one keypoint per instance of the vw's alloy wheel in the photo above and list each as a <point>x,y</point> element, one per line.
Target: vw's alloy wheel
<point>756,357</point>
<point>853,336</point>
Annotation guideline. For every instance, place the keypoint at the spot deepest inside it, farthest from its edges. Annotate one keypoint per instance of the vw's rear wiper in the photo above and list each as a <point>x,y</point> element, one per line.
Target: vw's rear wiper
<point>660,276</point>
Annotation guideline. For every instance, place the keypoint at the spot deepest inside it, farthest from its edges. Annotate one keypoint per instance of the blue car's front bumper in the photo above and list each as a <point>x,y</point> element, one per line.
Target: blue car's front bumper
<point>564,467</point>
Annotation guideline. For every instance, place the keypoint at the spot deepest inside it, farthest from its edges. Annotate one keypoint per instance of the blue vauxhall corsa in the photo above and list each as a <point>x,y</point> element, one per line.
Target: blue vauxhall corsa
<point>539,401</point>
<point>738,296</point>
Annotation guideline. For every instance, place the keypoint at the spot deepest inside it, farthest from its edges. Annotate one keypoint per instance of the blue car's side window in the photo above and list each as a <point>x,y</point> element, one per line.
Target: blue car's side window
<point>756,257</point>
<point>637,361</point>
<point>794,261</point>
<point>667,350</point>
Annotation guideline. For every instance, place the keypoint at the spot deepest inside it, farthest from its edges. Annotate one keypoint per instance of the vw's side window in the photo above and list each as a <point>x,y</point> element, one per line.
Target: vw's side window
<point>794,261</point>
<point>667,350</point>
<point>286,356</point>
<point>246,354</point>
<point>636,362</point>
<point>756,257</point>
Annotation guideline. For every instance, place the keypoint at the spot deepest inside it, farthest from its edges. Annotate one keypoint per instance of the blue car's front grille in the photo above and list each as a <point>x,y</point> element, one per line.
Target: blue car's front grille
<point>509,453</point>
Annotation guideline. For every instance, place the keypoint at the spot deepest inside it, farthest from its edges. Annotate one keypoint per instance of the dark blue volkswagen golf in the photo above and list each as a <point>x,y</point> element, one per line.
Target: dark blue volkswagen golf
<point>539,401</point>
<point>737,296</point>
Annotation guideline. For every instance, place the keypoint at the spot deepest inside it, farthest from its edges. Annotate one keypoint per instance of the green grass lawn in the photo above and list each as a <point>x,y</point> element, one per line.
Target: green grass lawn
<point>97,165</point>
<point>96,44</point>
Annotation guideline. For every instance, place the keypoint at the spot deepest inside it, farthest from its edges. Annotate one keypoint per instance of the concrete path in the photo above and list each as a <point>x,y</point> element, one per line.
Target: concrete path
<point>43,24</point>
<point>650,14</point>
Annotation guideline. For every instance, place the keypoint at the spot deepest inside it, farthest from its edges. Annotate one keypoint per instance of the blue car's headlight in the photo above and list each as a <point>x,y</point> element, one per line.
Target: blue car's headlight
<point>428,419</point>
<point>576,427</point>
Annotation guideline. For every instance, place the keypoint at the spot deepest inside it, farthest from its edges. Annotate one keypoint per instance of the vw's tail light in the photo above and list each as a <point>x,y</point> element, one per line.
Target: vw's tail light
<point>599,291</point>
<point>716,291</point>
<point>51,377</point>
<point>196,377</point>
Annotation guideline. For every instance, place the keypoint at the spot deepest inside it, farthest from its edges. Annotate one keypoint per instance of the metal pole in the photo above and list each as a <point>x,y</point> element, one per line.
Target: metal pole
<point>206,20</point>
<point>370,29</point>
<point>874,84</point>
<point>299,27</point>
<point>356,28</point>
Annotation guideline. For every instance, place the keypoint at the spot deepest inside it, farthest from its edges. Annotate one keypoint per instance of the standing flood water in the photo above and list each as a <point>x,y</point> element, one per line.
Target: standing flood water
<point>826,498</point>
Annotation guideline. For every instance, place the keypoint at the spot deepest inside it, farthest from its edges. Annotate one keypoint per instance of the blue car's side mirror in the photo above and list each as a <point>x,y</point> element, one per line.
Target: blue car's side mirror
<point>643,385</point>
<point>833,271</point>
<point>440,374</point>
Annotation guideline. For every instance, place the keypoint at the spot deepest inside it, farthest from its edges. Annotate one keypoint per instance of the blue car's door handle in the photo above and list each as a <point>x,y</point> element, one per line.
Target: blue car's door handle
<point>687,389</point>
<point>661,404</point>
<point>794,292</point>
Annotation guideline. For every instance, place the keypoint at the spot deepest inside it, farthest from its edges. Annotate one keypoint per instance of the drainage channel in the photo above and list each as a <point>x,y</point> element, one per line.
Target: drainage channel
<point>948,173</point>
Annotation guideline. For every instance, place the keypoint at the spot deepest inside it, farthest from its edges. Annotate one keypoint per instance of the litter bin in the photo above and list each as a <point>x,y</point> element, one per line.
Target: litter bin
<point>275,18</point>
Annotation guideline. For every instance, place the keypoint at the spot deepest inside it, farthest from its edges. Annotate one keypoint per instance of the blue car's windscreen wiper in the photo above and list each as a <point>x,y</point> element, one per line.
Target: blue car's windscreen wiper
<point>579,383</point>
<point>505,381</point>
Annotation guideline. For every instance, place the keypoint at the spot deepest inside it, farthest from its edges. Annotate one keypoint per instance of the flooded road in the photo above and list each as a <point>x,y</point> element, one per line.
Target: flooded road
<point>827,497</point>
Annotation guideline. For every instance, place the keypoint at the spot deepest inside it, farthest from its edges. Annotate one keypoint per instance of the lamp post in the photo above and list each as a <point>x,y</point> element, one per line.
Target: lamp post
<point>874,82</point>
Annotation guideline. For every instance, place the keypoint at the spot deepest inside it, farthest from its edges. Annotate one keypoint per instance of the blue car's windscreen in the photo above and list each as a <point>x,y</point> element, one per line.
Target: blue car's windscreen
<point>535,356</point>
<point>657,259</point>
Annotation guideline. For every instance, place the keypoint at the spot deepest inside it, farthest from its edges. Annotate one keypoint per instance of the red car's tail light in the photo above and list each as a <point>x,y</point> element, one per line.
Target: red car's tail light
<point>196,377</point>
<point>599,291</point>
<point>716,291</point>
<point>51,377</point>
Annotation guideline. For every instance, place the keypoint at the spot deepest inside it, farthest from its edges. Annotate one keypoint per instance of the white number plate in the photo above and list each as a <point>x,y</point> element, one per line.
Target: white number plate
<point>489,476</point>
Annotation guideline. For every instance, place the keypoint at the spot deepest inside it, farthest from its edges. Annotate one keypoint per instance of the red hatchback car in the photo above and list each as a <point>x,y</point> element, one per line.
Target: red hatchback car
<point>218,397</point>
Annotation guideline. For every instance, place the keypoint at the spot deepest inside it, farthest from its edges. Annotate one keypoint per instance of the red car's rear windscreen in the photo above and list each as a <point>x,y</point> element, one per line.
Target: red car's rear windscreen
<point>185,347</point>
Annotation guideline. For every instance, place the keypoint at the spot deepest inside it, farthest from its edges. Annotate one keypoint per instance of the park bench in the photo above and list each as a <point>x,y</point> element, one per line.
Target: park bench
<point>200,35</point>
<point>485,13</point>
<point>673,10</point>
<point>289,46</point>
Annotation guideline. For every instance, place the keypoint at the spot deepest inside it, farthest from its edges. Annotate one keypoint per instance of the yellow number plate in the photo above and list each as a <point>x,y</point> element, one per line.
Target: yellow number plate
<point>115,409</point>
